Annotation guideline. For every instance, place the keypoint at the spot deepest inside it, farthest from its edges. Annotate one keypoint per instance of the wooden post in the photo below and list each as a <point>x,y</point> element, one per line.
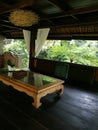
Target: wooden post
<point>32,46</point>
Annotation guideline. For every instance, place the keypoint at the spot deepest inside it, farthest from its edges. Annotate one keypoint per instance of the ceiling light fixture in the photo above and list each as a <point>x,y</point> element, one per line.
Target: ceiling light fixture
<point>23,18</point>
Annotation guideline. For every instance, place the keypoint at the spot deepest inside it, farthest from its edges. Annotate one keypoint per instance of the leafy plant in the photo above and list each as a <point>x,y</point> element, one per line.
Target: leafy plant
<point>18,47</point>
<point>80,52</point>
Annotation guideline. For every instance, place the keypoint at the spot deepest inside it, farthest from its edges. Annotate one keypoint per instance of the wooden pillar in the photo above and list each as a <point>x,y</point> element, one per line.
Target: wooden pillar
<point>32,46</point>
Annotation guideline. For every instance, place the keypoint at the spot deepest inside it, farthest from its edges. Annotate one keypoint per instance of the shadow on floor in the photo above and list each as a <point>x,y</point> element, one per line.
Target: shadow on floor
<point>76,109</point>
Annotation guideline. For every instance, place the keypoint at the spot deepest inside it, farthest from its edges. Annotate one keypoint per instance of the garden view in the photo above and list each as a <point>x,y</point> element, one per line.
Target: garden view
<point>74,51</point>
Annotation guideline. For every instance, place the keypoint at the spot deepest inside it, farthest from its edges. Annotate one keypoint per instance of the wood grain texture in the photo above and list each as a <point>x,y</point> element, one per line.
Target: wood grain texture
<point>77,109</point>
<point>32,90</point>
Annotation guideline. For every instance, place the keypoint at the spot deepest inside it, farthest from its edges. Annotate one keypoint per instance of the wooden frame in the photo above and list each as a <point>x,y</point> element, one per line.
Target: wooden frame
<point>32,90</point>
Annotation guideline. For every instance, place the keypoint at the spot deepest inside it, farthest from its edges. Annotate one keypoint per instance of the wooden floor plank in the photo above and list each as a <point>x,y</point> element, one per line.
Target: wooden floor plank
<point>77,109</point>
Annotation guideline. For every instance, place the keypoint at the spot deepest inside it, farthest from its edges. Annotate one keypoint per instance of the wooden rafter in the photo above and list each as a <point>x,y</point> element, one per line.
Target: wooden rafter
<point>4,23</point>
<point>73,12</point>
<point>59,4</point>
<point>3,4</point>
<point>16,5</point>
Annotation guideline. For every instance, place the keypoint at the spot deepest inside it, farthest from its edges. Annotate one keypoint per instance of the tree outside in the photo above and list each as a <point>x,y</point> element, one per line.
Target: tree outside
<point>17,47</point>
<point>75,51</point>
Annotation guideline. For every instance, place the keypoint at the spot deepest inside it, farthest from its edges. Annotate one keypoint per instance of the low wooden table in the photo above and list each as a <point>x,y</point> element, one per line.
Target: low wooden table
<point>33,84</point>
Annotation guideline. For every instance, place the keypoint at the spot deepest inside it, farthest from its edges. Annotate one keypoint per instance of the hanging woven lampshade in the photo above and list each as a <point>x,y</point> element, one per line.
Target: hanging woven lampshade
<point>23,18</point>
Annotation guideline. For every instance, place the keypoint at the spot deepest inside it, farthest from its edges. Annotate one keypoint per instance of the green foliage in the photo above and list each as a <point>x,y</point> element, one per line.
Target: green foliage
<point>81,52</point>
<point>57,53</point>
<point>43,53</point>
<point>77,51</point>
<point>18,47</point>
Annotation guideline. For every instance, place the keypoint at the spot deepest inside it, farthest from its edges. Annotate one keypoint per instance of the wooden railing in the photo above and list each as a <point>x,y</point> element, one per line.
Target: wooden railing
<point>76,72</point>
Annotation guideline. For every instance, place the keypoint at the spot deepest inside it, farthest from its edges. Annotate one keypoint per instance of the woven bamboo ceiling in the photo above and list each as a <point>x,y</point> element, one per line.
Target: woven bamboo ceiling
<point>68,19</point>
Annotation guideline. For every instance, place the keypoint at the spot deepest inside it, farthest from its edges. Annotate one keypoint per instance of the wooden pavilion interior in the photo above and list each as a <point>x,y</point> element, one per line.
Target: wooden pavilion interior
<point>77,109</point>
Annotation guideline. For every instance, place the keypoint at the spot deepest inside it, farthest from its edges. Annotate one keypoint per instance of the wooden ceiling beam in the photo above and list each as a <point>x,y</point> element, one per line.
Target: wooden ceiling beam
<point>73,33</point>
<point>69,24</point>
<point>3,4</point>
<point>16,6</point>
<point>63,7</point>
<point>59,4</point>
<point>73,12</point>
<point>3,23</point>
<point>74,37</point>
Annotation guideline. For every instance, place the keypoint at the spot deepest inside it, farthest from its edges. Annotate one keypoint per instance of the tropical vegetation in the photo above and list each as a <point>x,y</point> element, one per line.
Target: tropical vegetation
<point>75,51</point>
<point>17,47</point>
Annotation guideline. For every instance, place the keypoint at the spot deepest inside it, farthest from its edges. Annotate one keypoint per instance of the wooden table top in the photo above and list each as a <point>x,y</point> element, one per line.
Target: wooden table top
<point>31,79</point>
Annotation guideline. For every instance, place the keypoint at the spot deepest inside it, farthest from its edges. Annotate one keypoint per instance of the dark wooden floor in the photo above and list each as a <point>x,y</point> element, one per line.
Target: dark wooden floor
<point>77,109</point>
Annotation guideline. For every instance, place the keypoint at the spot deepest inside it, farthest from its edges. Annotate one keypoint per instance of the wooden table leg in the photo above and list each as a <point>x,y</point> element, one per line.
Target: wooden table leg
<point>61,91</point>
<point>36,102</point>
<point>38,96</point>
